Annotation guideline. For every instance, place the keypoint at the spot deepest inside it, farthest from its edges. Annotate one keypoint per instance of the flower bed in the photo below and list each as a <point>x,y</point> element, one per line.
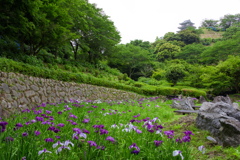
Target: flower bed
<point>94,130</point>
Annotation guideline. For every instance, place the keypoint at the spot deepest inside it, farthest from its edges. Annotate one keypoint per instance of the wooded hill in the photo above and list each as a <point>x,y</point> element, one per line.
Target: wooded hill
<point>74,36</point>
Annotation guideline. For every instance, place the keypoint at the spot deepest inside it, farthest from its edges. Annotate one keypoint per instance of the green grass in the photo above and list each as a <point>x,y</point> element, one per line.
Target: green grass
<point>30,146</point>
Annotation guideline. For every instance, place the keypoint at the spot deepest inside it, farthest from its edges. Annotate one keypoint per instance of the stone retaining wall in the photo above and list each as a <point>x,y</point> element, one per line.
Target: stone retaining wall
<point>18,91</point>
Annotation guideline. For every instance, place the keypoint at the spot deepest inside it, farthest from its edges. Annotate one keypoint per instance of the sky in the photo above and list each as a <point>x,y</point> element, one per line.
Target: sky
<point>147,19</point>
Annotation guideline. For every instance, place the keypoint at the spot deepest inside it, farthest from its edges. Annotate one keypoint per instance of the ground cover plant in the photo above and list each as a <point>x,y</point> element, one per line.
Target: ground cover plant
<point>74,129</point>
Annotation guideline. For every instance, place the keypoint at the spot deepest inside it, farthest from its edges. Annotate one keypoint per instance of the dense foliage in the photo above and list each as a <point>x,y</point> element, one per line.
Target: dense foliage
<point>80,37</point>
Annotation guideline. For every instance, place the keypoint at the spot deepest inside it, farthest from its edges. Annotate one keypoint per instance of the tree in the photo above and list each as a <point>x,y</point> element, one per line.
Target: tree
<point>191,53</point>
<point>100,37</point>
<point>143,44</point>
<point>230,32</point>
<point>189,37</point>
<point>174,73</point>
<point>130,59</point>
<point>209,23</point>
<point>37,24</point>
<point>229,20</point>
<point>226,75</point>
<point>166,51</point>
<point>221,49</point>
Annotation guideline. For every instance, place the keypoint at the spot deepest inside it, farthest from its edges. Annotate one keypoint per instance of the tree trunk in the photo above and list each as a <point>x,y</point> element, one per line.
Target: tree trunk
<point>22,46</point>
<point>90,56</point>
<point>56,52</point>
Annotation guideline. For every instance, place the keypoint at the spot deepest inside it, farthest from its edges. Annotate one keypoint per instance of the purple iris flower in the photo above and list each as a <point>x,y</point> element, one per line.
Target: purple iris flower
<point>56,130</point>
<point>27,123</point>
<point>135,147</point>
<point>188,133</point>
<point>129,110</point>
<point>186,138</point>
<point>8,139</point>
<point>37,132</point>
<point>33,120</point>
<point>39,118</point>
<point>25,134</point>
<point>124,112</point>
<point>101,147</point>
<point>111,139</point>
<point>51,128</point>
<point>133,120</point>
<point>179,140</point>
<point>49,140</point>
<point>73,116</point>
<point>43,104</point>
<point>18,125</point>
<point>138,131</point>
<point>78,130</point>
<point>103,131</point>
<point>86,131</point>
<point>58,137</point>
<point>92,143</point>
<point>86,120</point>
<point>59,112</point>
<point>157,143</point>
<point>169,133</point>
<point>48,112</point>
<point>74,123</point>
<point>70,121</point>
<point>60,125</point>
<point>159,127</point>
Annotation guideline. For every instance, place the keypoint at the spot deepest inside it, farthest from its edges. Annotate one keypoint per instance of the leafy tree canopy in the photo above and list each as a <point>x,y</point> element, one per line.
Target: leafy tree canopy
<point>226,75</point>
<point>189,36</point>
<point>166,51</point>
<point>229,20</point>
<point>230,32</point>
<point>221,49</point>
<point>209,23</point>
<point>174,73</point>
<point>191,53</point>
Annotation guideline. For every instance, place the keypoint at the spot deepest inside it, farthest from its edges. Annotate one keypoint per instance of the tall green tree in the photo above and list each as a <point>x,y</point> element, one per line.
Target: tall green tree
<point>209,23</point>
<point>225,76</point>
<point>221,49</point>
<point>166,51</point>
<point>174,73</point>
<point>130,59</point>
<point>189,36</point>
<point>99,36</point>
<point>191,53</point>
<point>229,20</point>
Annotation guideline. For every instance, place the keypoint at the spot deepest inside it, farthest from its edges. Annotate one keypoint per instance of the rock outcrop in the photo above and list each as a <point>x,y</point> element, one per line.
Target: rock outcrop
<point>222,120</point>
<point>202,99</point>
<point>184,104</point>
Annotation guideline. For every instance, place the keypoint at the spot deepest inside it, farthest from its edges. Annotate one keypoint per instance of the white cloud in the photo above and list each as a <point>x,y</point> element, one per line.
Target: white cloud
<point>147,19</point>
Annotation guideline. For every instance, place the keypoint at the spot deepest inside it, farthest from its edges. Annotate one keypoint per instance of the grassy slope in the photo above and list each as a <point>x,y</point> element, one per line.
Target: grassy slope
<point>211,34</point>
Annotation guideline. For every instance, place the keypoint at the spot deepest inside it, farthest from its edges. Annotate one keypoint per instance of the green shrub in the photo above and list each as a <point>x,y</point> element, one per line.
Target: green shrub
<point>68,67</point>
<point>193,93</point>
<point>50,65</point>
<point>158,74</point>
<point>55,66</point>
<point>139,84</point>
<point>74,69</point>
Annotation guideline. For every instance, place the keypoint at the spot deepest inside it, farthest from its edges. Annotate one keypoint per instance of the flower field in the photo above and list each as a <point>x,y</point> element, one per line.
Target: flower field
<point>130,129</point>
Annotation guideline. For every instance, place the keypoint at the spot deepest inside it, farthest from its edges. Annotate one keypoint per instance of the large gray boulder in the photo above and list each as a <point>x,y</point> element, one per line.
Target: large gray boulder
<point>184,104</point>
<point>222,120</point>
<point>202,99</point>
<point>226,99</point>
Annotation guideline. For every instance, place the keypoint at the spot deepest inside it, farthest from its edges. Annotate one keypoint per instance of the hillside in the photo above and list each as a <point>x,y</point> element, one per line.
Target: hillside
<point>211,34</point>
